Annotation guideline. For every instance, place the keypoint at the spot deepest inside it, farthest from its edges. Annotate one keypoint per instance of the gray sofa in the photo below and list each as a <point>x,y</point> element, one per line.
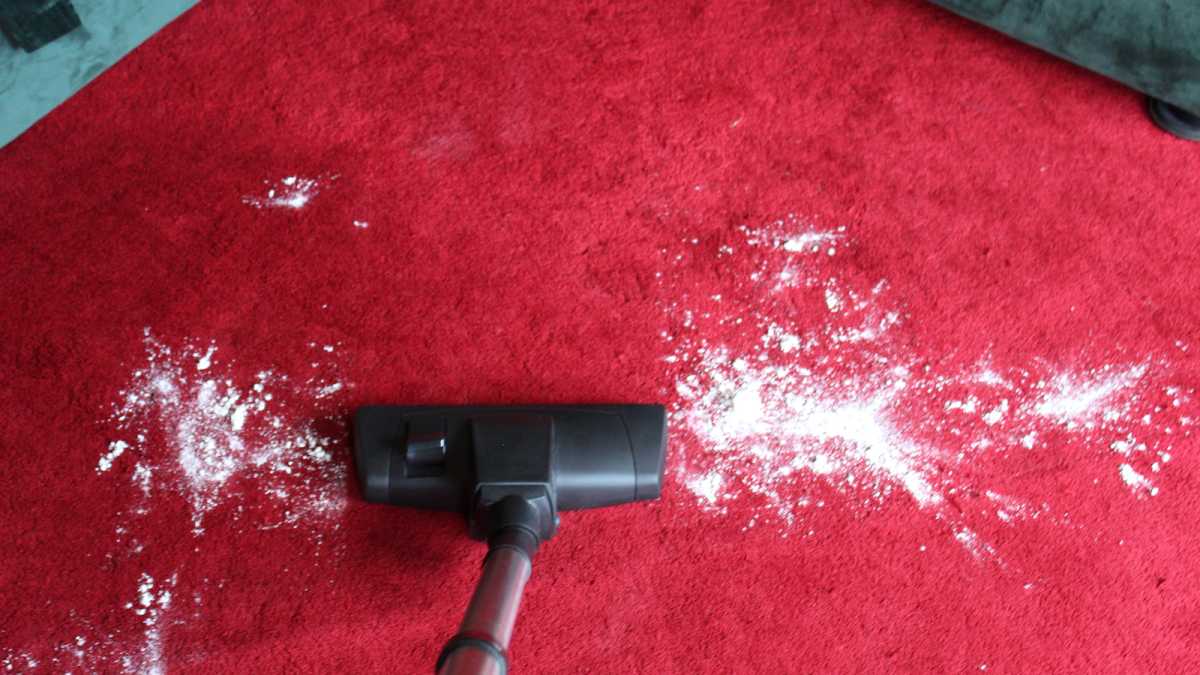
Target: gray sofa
<point>1150,45</point>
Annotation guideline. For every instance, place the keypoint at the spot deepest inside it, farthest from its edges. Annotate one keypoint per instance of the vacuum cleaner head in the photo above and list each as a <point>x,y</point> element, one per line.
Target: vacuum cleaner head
<point>469,459</point>
<point>510,470</point>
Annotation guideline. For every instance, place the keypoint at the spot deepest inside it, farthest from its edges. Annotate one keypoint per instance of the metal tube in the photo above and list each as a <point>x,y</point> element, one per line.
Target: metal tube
<point>491,614</point>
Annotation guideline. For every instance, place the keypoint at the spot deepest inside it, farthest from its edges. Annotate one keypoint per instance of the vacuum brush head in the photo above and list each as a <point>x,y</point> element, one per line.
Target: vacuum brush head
<point>468,459</point>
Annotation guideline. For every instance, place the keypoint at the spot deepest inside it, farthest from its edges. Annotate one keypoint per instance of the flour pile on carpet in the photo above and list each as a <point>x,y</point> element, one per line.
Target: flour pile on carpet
<point>292,192</point>
<point>202,437</point>
<point>791,402</point>
<point>194,430</point>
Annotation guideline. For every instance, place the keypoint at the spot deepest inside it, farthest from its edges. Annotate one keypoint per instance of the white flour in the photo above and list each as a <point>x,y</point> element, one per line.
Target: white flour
<point>150,606</point>
<point>293,192</point>
<point>18,661</point>
<point>841,403</point>
<point>766,423</point>
<point>227,440</point>
<point>115,450</point>
<point>707,486</point>
<point>1075,399</point>
<point>975,546</point>
<point>1136,481</point>
<point>104,646</point>
<point>207,433</point>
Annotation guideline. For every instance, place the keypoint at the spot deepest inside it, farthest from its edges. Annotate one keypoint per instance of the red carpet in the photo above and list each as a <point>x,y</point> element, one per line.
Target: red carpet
<point>922,301</point>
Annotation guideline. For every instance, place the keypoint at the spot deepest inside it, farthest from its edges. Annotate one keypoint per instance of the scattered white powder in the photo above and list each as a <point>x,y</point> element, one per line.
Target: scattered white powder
<point>205,361</point>
<point>1010,509</point>
<point>869,331</point>
<point>143,477</point>
<point>292,192</point>
<point>115,450</point>
<point>1137,481</point>
<point>1124,446</point>
<point>790,234</point>
<point>16,659</point>
<point>768,422</point>
<point>808,241</point>
<point>145,597</point>
<point>789,343</point>
<point>863,428</point>
<point>218,436</point>
<point>1072,399</point>
<point>832,300</point>
<point>996,414</point>
<point>707,487</point>
<point>991,377</point>
<point>776,336</point>
<point>150,606</point>
<point>766,415</point>
<point>198,429</point>
<point>361,224</point>
<point>975,546</point>
<point>329,390</point>
<point>968,406</point>
<point>237,419</point>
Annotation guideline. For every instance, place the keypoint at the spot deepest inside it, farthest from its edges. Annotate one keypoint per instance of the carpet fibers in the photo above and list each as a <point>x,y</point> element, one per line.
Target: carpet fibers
<point>921,301</point>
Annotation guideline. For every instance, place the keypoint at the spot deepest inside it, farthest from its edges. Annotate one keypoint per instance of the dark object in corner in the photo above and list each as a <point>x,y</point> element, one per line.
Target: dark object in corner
<point>32,24</point>
<point>1149,45</point>
<point>1173,119</point>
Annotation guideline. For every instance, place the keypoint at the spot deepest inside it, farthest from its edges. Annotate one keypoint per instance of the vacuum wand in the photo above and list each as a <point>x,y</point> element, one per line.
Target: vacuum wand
<point>481,645</point>
<point>510,470</point>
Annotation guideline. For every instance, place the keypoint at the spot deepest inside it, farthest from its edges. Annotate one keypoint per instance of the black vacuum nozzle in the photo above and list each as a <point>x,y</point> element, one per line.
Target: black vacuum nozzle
<point>468,459</point>
<point>510,469</point>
